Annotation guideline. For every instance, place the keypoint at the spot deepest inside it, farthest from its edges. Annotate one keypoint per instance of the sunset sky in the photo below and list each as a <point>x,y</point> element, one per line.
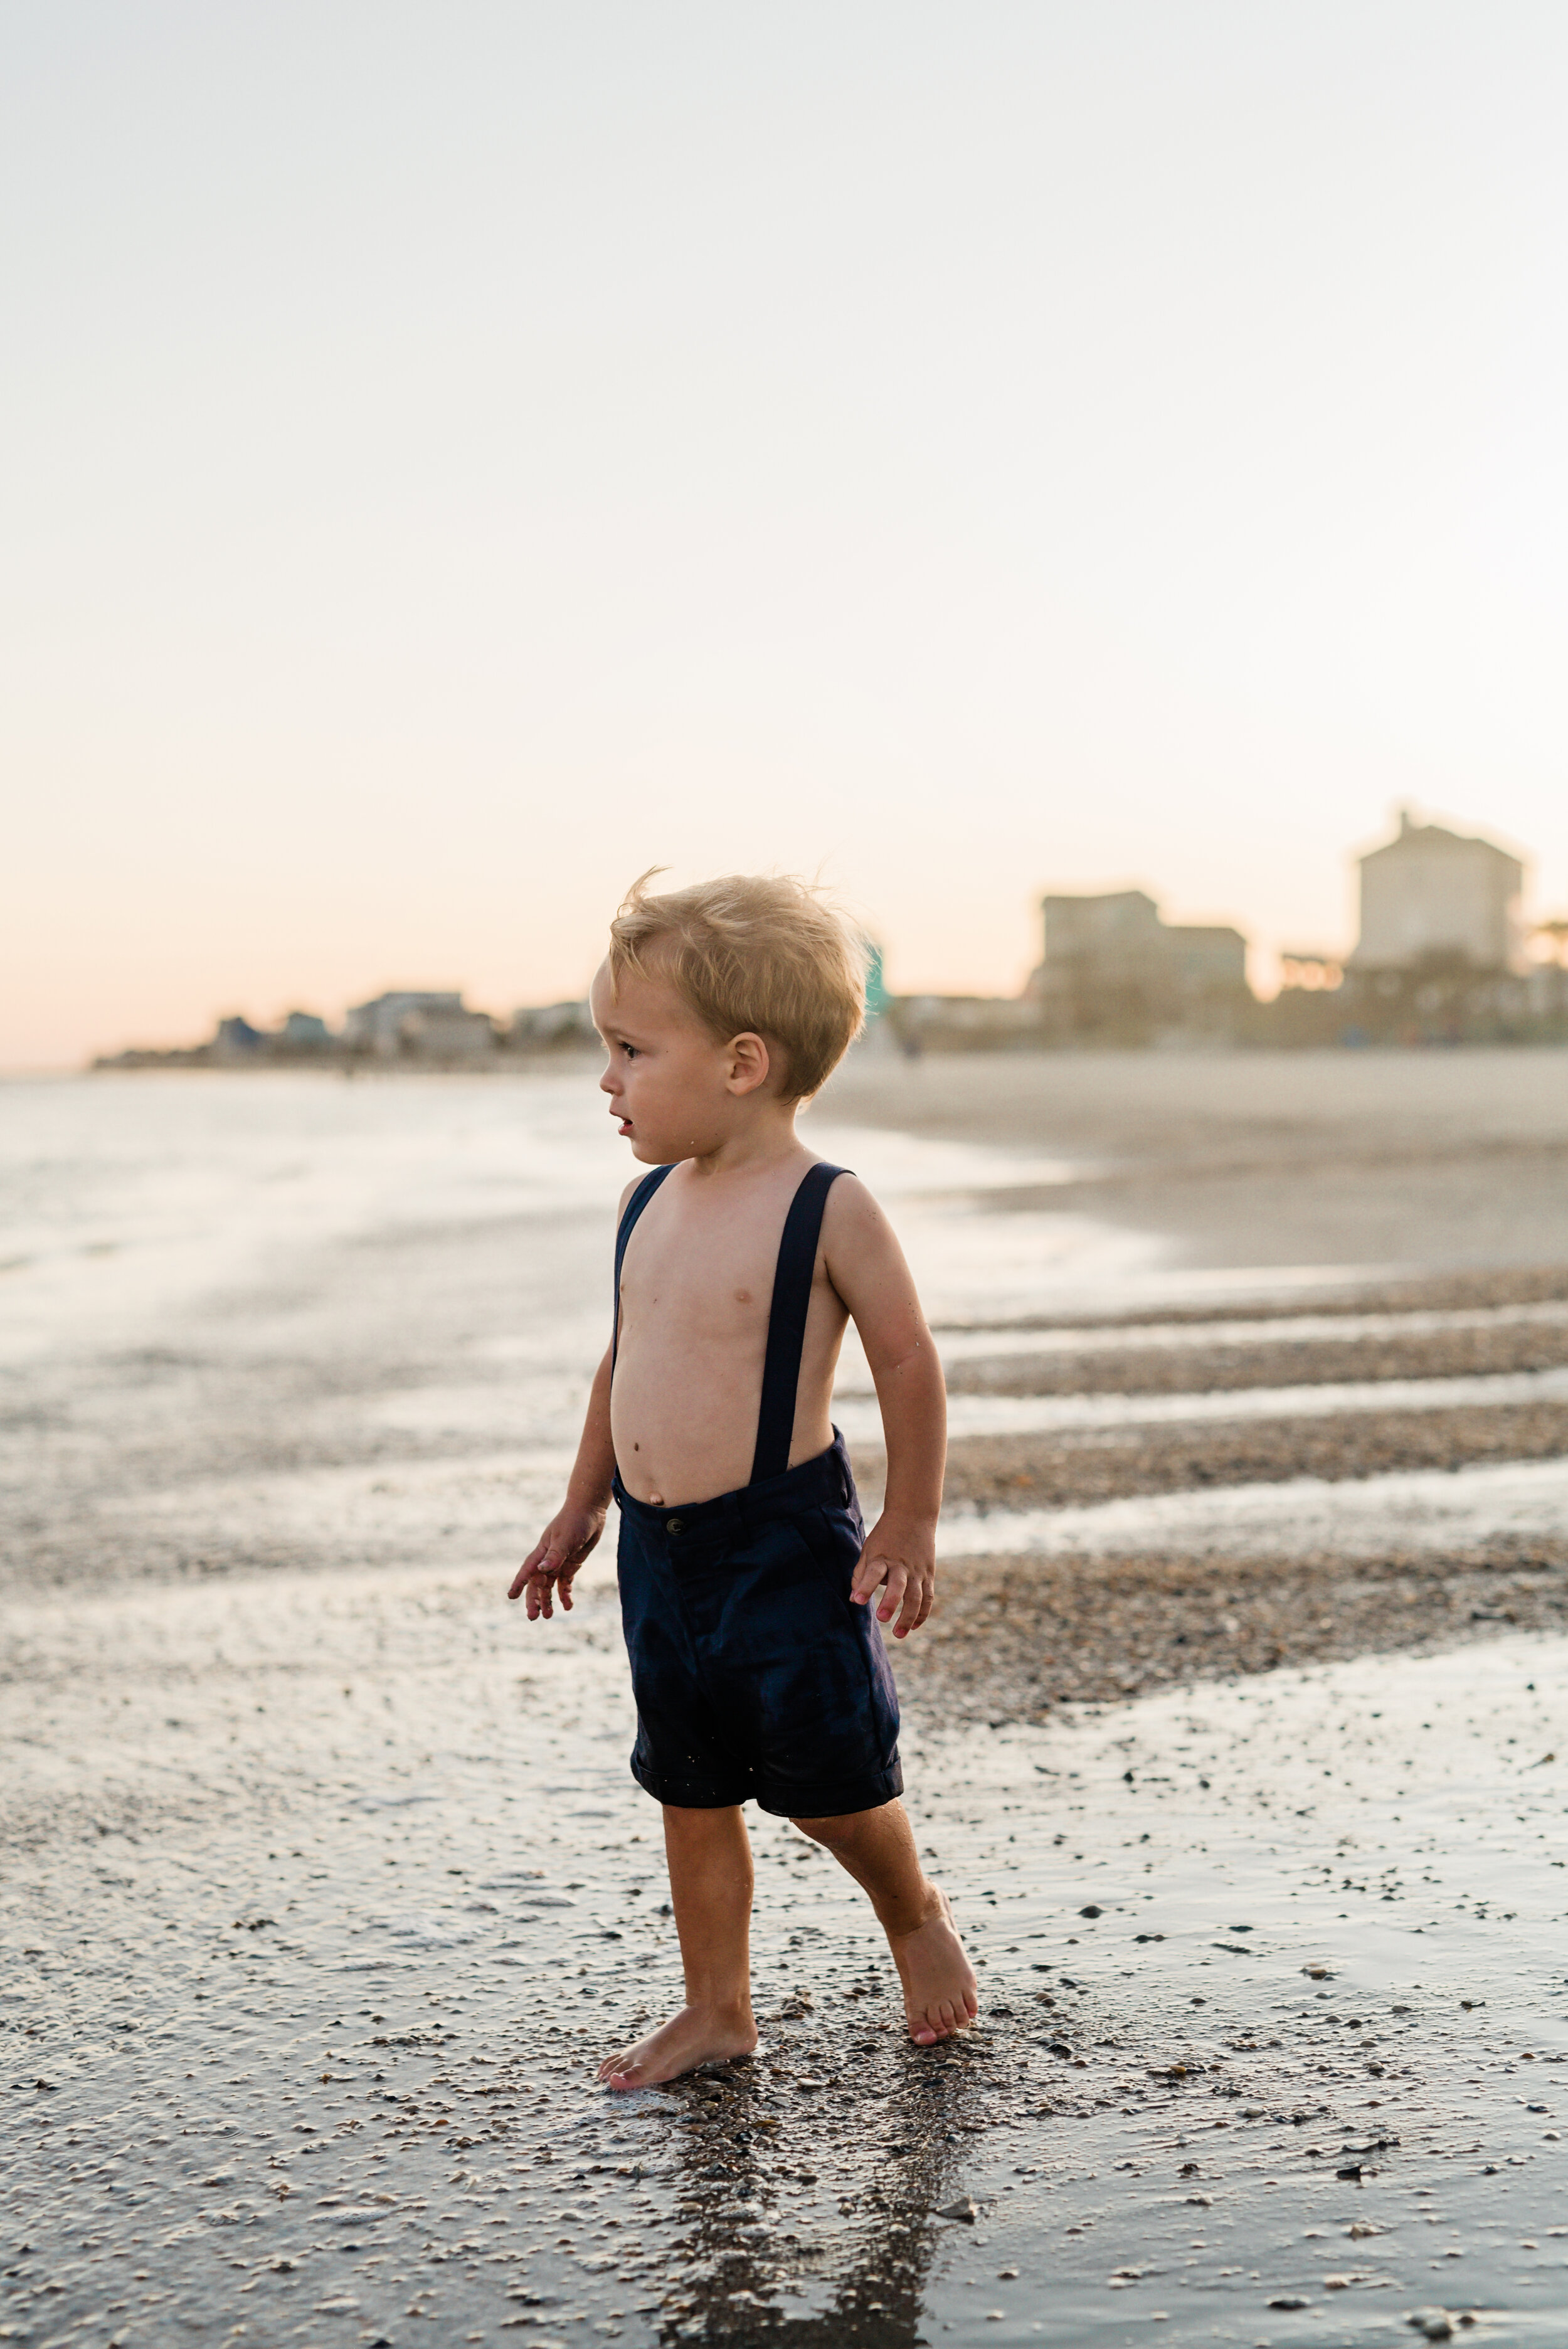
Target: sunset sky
<point>458,455</point>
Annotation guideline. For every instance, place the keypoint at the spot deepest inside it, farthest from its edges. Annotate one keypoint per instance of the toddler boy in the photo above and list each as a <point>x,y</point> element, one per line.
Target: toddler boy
<point>746,1576</point>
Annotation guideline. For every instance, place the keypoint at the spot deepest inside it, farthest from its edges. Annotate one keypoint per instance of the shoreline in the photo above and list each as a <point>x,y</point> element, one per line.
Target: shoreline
<point>1450,1171</point>
<point>1446,1165</point>
<point>327,1883</point>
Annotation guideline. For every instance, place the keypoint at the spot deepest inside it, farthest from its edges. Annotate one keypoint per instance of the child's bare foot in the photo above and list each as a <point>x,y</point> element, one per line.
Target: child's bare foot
<point>693,2036</point>
<point>940,1995</point>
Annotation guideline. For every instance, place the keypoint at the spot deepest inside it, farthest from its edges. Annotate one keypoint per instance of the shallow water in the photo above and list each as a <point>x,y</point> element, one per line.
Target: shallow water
<point>1426,1508</point>
<point>326,1889</point>
<point>1277,1329</point>
<point>983,1414</point>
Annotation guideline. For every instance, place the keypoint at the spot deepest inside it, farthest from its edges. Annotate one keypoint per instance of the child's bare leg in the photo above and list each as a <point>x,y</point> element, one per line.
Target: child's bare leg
<point>940,1992</point>
<point>709,1857</point>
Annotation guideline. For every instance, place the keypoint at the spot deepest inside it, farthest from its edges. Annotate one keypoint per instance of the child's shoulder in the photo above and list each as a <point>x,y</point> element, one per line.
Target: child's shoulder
<point>861,1254</point>
<point>850,1208</point>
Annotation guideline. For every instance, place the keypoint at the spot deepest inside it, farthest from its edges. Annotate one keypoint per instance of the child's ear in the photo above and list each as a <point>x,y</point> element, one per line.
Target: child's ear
<point>749,1063</point>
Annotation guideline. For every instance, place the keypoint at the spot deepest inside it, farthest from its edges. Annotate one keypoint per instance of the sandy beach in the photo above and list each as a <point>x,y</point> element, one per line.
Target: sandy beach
<point>1415,1211</point>
<point>1440,1160</point>
<point>1235,1736</point>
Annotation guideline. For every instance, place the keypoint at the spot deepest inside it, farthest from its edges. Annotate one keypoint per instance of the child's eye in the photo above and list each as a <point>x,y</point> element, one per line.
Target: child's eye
<point>630,1050</point>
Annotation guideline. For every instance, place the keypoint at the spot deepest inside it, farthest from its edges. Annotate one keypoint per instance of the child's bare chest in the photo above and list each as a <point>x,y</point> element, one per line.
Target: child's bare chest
<point>694,1281</point>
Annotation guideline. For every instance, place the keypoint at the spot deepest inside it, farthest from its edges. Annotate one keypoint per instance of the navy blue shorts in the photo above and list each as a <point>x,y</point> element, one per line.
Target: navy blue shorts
<point>754,1677</point>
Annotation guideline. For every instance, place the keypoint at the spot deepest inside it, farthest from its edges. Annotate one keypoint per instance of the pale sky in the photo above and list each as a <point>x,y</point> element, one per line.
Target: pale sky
<point>458,454</point>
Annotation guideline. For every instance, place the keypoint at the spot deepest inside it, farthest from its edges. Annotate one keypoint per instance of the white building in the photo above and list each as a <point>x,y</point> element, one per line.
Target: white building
<point>380,1026</point>
<point>1432,895</point>
<point>445,1033</point>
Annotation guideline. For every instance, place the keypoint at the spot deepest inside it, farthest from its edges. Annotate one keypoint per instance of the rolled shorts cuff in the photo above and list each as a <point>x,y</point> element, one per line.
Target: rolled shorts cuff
<point>821,1800</point>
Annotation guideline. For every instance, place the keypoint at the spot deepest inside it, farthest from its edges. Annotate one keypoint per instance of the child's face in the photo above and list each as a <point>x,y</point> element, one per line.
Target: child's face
<point>671,1083</point>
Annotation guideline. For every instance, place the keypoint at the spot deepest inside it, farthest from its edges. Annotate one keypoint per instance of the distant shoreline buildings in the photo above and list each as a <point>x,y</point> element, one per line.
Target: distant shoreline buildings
<point>428,1027</point>
<point>1443,956</point>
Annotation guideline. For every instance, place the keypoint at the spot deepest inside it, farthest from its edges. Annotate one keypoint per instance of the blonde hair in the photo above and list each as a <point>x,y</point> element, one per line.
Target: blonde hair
<point>752,952</point>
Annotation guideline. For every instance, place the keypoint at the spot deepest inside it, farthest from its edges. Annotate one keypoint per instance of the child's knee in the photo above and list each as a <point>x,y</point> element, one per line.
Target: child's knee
<point>837,1834</point>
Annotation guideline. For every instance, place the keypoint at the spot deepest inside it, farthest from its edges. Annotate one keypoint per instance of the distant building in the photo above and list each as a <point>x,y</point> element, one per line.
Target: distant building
<point>1115,972</point>
<point>958,1023</point>
<point>446,1032</point>
<point>1440,959</point>
<point>377,1027</point>
<point>1433,899</point>
<point>552,1027</point>
<point>236,1039</point>
<point>304,1031</point>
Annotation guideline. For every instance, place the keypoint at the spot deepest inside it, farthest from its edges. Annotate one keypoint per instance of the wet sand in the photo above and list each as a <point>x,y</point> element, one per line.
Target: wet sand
<point>312,1938</point>
<point>1012,1638</point>
<point>1235,1741</point>
<point>1452,1168</point>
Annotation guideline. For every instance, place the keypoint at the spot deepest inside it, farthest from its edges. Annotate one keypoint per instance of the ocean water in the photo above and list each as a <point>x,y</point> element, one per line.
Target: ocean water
<point>287,1318</point>
<point>122,1197</point>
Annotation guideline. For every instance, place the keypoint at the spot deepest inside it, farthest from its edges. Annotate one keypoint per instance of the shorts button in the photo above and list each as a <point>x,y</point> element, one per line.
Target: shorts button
<point>674,1524</point>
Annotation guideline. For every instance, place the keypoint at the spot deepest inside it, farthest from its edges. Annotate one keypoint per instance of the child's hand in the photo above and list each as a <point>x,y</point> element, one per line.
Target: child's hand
<point>901,1553</point>
<point>554,1558</point>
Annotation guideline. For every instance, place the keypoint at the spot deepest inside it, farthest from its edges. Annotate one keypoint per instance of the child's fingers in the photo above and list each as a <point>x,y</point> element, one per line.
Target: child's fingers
<point>536,1577</point>
<point>917,1607</point>
<point>892,1597</point>
<point>870,1570</point>
<point>529,1566</point>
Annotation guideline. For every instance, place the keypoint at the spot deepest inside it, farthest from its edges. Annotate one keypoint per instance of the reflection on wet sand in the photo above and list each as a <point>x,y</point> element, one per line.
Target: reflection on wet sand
<point>748,2241</point>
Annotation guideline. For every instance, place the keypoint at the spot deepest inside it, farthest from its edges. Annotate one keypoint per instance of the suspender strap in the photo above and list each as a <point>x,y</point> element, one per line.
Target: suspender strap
<point>786,1320</point>
<point>634,1205</point>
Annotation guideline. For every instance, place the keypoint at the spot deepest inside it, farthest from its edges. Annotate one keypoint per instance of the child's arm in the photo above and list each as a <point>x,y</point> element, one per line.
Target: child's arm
<point>866,1265</point>
<point>575,1529</point>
